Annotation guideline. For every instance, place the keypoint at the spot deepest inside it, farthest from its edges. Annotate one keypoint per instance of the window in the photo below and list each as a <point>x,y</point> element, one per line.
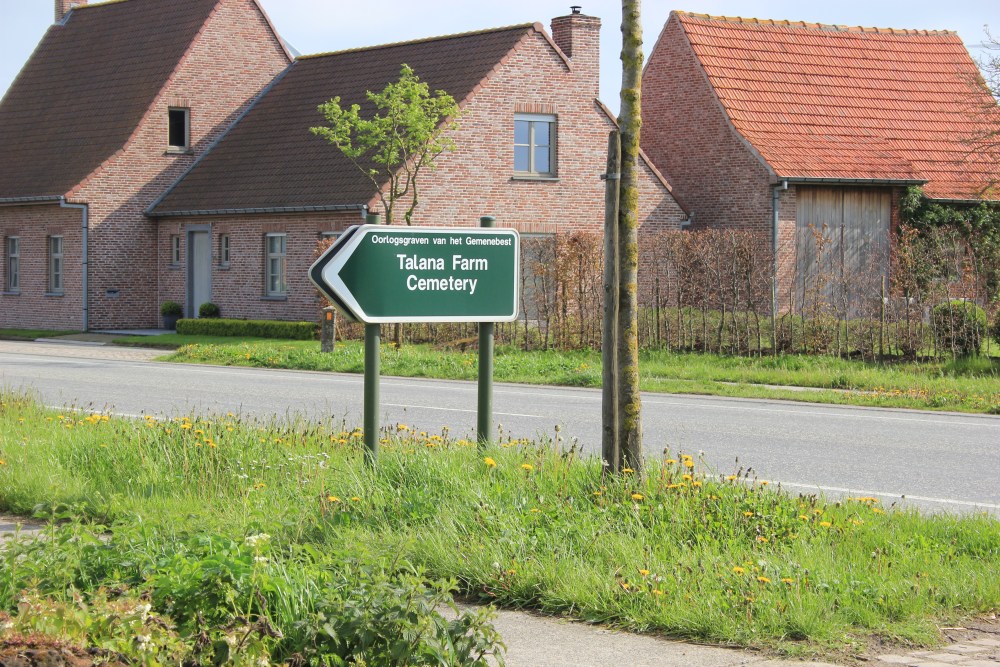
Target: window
<point>276,247</point>
<point>535,144</point>
<point>178,129</point>
<point>175,250</point>
<point>13,264</point>
<point>55,265</point>
<point>224,250</point>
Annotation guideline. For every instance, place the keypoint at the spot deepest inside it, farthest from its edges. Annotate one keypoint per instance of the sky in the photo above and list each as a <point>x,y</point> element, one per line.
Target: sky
<point>316,26</point>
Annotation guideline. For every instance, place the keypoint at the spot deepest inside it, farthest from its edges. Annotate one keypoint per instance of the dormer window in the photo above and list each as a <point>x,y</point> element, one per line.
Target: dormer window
<point>178,130</point>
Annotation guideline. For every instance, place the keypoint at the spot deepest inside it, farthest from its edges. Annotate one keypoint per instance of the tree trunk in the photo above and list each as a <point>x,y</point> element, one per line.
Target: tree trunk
<point>629,123</point>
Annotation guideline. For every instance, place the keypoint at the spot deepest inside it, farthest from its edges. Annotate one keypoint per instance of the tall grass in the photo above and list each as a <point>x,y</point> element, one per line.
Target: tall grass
<point>681,551</point>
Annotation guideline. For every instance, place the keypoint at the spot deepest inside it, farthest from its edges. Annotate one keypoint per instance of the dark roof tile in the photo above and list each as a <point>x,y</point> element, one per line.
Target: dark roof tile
<point>85,89</point>
<point>270,159</point>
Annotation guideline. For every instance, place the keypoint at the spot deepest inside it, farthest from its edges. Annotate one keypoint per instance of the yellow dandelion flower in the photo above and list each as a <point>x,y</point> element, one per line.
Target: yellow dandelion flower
<point>671,462</point>
<point>674,486</point>
<point>738,570</point>
<point>186,427</point>
<point>656,591</point>
<point>644,573</point>
<point>527,466</point>
<point>763,580</point>
<point>626,585</point>
<point>490,463</point>
<point>637,496</point>
<point>787,580</point>
<point>687,478</point>
<point>731,478</point>
<point>511,572</point>
<point>535,510</point>
<point>332,499</point>
<point>2,462</point>
<point>355,499</point>
<point>696,485</point>
<point>817,511</point>
<point>764,483</point>
<point>597,493</point>
<point>748,513</point>
<point>825,524</point>
<point>688,463</point>
<point>876,510</point>
<point>762,539</point>
<point>803,517</point>
<point>627,470</point>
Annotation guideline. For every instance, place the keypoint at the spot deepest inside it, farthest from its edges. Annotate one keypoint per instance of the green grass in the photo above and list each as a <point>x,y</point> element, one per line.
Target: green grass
<point>970,385</point>
<point>31,334</point>
<point>711,557</point>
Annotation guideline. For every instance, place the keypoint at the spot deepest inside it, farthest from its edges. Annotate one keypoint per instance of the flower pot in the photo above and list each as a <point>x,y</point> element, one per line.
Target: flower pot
<point>170,322</point>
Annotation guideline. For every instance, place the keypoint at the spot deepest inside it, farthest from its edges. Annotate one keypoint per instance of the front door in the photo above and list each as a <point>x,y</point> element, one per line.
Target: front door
<point>199,270</point>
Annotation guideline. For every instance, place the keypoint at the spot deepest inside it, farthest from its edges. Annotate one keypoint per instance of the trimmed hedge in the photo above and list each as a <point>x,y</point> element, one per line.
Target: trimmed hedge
<point>248,328</point>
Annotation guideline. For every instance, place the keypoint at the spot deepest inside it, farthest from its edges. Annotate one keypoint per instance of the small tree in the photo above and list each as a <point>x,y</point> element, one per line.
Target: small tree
<point>391,147</point>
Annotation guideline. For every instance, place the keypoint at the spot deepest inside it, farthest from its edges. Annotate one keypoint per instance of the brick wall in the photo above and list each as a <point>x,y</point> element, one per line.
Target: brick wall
<point>230,61</point>
<point>478,178</point>
<point>688,136</point>
<point>33,307</point>
<point>238,289</point>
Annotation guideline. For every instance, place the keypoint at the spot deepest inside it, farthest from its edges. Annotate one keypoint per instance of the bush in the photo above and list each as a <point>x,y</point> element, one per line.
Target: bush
<point>995,331</point>
<point>170,308</point>
<point>248,328</point>
<point>209,311</point>
<point>959,326</point>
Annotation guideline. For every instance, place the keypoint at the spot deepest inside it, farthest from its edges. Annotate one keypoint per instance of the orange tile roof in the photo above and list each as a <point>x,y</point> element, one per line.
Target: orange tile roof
<point>821,101</point>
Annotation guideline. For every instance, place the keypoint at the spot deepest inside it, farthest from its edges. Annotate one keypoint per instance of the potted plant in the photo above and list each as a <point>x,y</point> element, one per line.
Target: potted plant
<point>171,312</point>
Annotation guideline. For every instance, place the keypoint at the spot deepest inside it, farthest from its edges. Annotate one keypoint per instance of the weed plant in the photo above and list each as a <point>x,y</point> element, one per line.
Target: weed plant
<point>682,551</point>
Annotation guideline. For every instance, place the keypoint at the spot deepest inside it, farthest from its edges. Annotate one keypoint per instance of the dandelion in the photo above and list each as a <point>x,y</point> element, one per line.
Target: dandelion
<point>644,573</point>
<point>803,517</point>
<point>686,478</point>
<point>637,496</point>
<point>696,485</point>
<point>627,470</point>
<point>738,570</point>
<point>825,524</point>
<point>490,463</point>
<point>656,591</point>
<point>787,580</point>
<point>762,539</point>
<point>626,585</point>
<point>731,478</point>
<point>763,580</point>
<point>186,427</point>
<point>332,499</point>
<point>355,499</point>
<point>748,513</point>
<point>688,463</point>
<point>597,493</point>
<point>527,466</point>
<point>2,462</point>
<point>671,462</point>
<point>535,510</point>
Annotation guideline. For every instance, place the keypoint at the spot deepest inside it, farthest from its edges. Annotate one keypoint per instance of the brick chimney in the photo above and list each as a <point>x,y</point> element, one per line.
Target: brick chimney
<point>63,7</point>
<point>579,37</point>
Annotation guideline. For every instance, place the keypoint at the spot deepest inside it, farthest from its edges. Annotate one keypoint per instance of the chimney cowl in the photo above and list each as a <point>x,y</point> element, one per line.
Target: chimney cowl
<point>575,9</point>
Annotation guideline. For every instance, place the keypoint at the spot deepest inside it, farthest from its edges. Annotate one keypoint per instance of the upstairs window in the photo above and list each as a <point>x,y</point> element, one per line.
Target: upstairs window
<point>178,130</point>
<point>224,250</point>
<point>55,265</point>
<point>175,250</point>
<point>534,145</point>
<point>13,264</point>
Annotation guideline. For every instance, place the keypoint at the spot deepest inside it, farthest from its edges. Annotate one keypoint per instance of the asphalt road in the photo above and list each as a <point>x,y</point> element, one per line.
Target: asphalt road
<point>938,461</point>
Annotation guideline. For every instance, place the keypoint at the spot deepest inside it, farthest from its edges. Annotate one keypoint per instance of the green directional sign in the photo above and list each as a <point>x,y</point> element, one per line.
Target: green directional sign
<point>378,273</point>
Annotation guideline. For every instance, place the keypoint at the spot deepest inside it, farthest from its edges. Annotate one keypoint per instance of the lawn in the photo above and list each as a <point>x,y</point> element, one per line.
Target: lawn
<point>971,385</point>
<point>684,551</point>
<point>31,334</point>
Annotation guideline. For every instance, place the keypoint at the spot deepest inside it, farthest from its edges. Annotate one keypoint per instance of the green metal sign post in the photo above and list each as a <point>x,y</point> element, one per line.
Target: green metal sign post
<point>382,274</point>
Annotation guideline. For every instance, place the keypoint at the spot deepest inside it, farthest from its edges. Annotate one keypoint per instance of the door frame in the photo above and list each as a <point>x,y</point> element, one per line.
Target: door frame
<point>189,232</point>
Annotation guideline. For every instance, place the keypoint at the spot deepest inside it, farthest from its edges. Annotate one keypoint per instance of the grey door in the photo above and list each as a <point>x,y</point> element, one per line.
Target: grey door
<point>199,270</point>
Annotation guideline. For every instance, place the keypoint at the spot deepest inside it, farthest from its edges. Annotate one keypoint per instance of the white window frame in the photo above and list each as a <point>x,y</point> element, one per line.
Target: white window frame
<point>12,252</point>
<point>175,250</point>
<point>178,148</point>
<point>534,119</point>
<point>225,250</point>
<point>56,250</point>
<point>275,265</point>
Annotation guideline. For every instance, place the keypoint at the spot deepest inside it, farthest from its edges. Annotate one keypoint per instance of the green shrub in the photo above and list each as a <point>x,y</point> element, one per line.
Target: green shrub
<point>209,310</point>
<point>959,326</point>
<point>248,328</point>
<point>170,308</point>
<point>995,331</point>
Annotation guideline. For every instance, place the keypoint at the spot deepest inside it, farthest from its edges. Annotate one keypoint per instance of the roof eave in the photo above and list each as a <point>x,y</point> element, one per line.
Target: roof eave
<point>330,208</point>
<point>44,199</point>
<point>851,181</point>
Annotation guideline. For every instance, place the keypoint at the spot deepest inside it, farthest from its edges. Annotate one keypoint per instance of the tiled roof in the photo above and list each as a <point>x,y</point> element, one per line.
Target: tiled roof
<point>820,101</point>
<point>85,89</point>
<point>270,159</point>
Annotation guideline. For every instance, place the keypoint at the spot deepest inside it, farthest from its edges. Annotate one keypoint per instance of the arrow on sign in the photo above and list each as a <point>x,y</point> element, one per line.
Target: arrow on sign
<point>377,274</point>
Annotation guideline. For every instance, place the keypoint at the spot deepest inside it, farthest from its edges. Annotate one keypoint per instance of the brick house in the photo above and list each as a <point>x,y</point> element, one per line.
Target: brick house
<point>215,190</point>
<point>795,128</point>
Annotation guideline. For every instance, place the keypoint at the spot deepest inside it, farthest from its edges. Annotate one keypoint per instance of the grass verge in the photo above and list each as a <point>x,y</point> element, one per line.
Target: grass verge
<point>682,551</point>
<point>31,334</point>
<point>964,385</point>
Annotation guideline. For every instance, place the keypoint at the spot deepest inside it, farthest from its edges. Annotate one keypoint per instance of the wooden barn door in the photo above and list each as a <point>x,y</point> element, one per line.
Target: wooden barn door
<point>842,242</point>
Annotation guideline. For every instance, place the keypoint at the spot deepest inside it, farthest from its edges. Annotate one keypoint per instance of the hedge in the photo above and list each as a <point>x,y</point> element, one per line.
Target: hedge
<point>248,328</point>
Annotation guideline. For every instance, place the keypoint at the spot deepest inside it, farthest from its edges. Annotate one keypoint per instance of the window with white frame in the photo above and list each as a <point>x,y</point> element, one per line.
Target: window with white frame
<point>178,129</point>
<point>534,145</point>
<point>276,247</point>
<point>175,250</point>
<point>224,250</point>
<point>13,264</point>
<point>55,265</point>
